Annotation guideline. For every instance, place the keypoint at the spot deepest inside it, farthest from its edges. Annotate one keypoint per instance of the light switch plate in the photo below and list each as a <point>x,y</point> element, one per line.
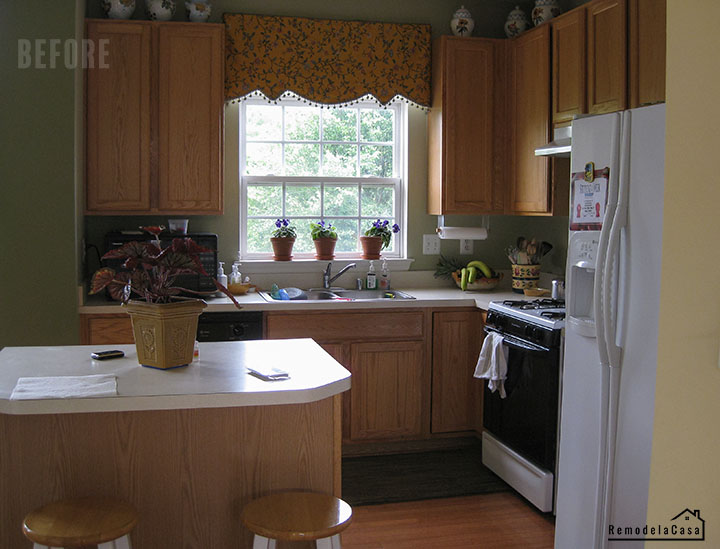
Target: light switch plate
<point>466,247</point>
<point>431,244</point>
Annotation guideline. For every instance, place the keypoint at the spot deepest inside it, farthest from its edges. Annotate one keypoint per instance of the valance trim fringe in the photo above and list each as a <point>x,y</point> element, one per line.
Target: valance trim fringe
<point>288,95</point>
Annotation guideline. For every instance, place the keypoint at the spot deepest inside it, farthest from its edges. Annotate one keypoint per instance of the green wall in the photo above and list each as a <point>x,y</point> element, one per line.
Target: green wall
<point>38,281</point>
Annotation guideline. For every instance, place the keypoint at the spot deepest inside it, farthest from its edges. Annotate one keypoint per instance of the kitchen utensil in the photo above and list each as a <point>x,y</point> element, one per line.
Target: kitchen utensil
<point>521,243</point>
<point>558,289</point>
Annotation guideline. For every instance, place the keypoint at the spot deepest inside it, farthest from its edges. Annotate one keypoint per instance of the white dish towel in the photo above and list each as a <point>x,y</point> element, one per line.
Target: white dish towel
<point>492,363</point>
<point>36,388</point>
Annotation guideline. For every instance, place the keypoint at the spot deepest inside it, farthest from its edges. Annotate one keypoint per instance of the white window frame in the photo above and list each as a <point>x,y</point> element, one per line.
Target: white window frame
<point>301,223</point>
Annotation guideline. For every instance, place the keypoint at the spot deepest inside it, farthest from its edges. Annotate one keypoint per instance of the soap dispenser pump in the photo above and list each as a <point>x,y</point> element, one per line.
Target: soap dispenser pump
<point>371,279</point>
<point>384,276</point>
<point>221,276</point>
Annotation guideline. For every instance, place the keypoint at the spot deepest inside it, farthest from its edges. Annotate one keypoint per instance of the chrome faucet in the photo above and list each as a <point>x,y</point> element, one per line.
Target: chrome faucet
<point>328,280</point>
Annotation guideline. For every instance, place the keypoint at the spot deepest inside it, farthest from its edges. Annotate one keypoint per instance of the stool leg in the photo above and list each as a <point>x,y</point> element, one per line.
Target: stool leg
<point>260,542</point>
<point>332,542</point>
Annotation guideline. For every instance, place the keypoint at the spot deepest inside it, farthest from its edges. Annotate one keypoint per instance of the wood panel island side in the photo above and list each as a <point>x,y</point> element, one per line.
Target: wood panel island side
<point>188,447</point>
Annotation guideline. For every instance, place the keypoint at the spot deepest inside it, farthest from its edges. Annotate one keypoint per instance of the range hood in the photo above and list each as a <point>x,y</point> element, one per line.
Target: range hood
<point>559,146</point>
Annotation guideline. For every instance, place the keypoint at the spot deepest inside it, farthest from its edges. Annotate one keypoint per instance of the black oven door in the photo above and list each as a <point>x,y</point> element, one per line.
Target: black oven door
<point>526,420</point>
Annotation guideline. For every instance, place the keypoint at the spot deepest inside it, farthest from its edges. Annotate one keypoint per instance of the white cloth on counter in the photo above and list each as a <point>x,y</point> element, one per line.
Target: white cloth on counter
<point>35,388</point>
<point>492,363</point>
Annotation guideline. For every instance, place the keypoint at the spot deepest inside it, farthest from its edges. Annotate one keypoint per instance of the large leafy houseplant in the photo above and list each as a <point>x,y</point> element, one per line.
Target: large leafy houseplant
<point>164,322</point>
<point>150,271</point>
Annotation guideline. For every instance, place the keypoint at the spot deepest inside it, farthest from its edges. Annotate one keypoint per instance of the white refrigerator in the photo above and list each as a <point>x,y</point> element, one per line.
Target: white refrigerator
<point>611,331</point>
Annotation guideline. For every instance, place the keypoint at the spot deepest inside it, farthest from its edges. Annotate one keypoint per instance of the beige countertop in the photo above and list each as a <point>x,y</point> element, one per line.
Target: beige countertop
<point>424,297</point>
<point>218,379</point>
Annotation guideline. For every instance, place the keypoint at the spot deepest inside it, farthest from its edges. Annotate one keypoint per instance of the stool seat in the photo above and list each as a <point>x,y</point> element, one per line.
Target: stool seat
<point>293,516</point>
<point>79,522</point>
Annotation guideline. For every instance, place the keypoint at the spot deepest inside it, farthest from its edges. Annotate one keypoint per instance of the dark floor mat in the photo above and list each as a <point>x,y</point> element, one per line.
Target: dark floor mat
<point>409,477</point>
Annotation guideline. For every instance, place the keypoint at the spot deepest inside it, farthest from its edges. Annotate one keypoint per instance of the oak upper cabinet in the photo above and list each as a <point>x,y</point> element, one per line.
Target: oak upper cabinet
<point>118,118</point>
<point>606,56</point>
<point>530,190</point>
<point>190,111</point>
<point>461,122</point>
<point>647,36</point>
<point>154,119</point>
<point>569,97</point>
<point>456,404</point>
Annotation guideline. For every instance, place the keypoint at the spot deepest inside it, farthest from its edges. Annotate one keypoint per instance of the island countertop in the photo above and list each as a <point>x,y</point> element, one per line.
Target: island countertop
<point>217,378</point>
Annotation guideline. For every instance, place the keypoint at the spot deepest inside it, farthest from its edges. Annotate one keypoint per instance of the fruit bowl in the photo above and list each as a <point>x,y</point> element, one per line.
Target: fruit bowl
<point>480,284</point>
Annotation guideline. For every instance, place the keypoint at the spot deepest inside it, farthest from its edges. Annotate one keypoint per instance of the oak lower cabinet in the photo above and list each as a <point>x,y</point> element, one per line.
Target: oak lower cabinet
<point>154,118</point>
<point>106,329</point>
<point>456,394</point>
<point>462,122</point>
<point>387,354</point>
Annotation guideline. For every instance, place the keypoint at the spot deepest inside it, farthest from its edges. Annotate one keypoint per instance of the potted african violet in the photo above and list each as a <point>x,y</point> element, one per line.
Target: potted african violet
<point>282,240</point>
<point>324,237</point>
<point>377,238</point>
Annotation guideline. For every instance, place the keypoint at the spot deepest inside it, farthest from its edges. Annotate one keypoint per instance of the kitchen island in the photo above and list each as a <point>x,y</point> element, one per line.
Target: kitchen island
<point>188,447</point>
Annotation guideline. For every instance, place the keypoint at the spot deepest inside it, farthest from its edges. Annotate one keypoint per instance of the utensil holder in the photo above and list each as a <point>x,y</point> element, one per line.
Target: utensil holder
<point>525,277</point>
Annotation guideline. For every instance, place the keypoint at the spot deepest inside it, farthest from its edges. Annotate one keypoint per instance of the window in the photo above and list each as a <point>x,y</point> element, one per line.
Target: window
<point>305,163</point>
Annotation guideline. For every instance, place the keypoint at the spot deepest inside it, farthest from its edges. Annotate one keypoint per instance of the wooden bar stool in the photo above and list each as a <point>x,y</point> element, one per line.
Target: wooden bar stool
<point>81,522</point>
<point>295,516</point>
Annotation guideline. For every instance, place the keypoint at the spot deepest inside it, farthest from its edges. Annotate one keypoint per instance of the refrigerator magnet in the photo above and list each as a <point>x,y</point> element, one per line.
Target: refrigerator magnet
<point>589,194</point>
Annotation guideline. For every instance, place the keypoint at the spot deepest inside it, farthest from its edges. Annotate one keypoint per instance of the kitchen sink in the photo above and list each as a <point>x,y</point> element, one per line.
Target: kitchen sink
<point>339,294</point>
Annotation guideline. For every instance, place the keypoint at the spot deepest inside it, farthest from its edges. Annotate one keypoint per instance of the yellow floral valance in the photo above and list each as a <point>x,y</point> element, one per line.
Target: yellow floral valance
<point>325,61</point>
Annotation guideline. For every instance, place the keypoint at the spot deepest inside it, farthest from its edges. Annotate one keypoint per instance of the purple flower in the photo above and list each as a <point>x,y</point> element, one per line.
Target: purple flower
<point>385,222</point>
<point>395,228</point>
<point>278,223</point>
<point>285,222</point>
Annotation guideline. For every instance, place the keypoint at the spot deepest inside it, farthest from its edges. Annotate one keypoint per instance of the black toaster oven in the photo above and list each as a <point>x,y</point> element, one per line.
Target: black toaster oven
<point>194,282</point>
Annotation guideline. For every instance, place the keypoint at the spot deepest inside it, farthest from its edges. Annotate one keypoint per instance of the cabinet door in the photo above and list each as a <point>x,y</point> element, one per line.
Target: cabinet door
<point>106,329</point>
<point>118,118</point>
<point>339,352</point>
<point>529,191</point>
<point>568,66</point>
<point>606,56</point>
<point>457,337</point>
<point>647,51</point>
<point>460,127</point>
<point>190,111</point>
<point>386,394</point>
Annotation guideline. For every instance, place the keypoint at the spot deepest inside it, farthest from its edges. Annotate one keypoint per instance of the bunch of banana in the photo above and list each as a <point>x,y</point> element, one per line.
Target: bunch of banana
<point>469,273</point>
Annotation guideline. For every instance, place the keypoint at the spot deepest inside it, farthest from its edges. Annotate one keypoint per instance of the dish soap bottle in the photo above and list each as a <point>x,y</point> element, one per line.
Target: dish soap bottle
<point>371,279</point>
<point>221,276</point>
<point>235,286</point>
<point>384,276</point>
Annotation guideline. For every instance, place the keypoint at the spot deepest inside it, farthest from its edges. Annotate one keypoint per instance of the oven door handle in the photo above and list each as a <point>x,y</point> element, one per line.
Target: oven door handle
<point>519,344</point>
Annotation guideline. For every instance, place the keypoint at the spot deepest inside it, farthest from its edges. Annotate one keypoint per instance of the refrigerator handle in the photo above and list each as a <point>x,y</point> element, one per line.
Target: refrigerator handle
<point>614,267</point>
<point>602,251</point>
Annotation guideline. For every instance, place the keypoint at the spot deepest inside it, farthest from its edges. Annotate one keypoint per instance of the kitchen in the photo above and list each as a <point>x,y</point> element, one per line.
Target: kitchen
<point>49,299</point>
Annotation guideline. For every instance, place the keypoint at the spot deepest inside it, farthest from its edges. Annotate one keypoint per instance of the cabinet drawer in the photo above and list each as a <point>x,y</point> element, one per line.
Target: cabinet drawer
<point>325,326</point>
<point>107,329</point>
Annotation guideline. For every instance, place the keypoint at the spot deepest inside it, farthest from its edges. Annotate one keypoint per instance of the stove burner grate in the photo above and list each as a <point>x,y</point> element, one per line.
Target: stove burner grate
<point>534,304</point>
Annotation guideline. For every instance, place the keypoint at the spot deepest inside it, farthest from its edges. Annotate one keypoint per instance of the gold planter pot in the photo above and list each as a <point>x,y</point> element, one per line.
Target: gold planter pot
<point>165,332</point>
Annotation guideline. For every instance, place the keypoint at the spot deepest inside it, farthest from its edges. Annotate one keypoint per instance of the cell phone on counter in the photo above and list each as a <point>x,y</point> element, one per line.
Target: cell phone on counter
<point>106,355</point>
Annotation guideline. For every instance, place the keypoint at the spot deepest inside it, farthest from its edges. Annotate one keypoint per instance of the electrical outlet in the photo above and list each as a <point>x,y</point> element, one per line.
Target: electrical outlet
<point>431,244</point>
<point>466,247</point>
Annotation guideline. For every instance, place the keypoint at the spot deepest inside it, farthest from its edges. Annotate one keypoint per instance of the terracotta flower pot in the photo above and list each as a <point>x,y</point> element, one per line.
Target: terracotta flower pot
<point>371,246</point>
<point>165,332</point>
<point>325,248</point>
<point>282,248</point>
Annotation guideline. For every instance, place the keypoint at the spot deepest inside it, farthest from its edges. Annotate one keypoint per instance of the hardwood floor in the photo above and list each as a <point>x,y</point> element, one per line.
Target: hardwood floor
<point>482,521</point>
